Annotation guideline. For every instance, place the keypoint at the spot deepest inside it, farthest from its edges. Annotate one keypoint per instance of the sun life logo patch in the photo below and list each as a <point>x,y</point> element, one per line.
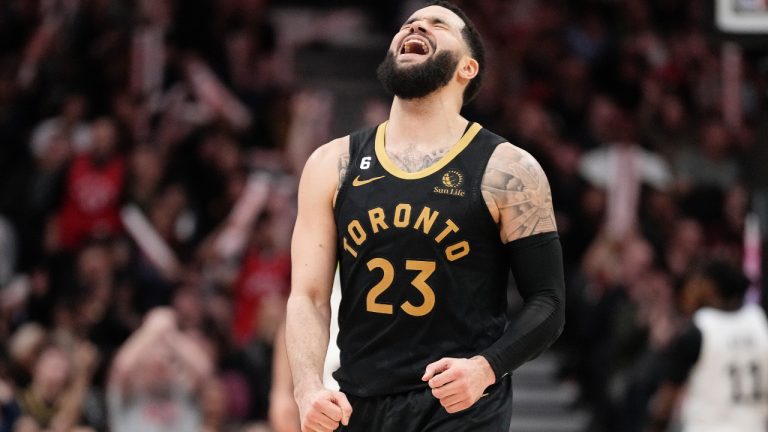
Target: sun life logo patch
<point>451,180</point>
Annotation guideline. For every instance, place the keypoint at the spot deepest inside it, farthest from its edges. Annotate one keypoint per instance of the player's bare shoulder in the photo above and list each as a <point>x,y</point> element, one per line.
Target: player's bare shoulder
<point>327,165</point>
<point>517,193</point>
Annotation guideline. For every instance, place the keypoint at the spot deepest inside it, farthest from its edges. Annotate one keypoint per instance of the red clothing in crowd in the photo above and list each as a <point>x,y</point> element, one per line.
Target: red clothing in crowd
<point>92,203</point>
<point>263,275</point>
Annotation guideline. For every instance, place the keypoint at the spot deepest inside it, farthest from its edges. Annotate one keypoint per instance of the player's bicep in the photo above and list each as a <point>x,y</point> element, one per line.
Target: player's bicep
<point>313,246</point>
<point>518,194</point>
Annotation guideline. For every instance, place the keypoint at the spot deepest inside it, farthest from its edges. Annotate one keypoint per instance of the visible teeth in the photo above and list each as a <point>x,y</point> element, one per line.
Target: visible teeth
<point>415,46</point>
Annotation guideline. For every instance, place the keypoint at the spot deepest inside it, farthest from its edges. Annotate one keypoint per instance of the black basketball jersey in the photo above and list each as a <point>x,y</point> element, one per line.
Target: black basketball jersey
<point>423,270</point>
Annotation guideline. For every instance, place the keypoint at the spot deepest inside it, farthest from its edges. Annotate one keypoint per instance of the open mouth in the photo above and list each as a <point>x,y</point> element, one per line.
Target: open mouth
<point>414,46</point>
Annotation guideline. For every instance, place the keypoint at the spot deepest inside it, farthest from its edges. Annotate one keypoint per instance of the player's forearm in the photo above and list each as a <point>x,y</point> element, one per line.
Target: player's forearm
<point>534,330</point>
<point>307,333</point>
<point>537,265</point>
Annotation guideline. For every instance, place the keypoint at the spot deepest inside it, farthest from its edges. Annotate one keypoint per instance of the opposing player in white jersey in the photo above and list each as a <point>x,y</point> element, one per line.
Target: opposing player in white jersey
<point>718,368</point>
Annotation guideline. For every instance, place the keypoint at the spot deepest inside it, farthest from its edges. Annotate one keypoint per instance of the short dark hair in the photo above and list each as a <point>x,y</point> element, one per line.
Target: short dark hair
<point>476,48</point>
<point>730,282</point>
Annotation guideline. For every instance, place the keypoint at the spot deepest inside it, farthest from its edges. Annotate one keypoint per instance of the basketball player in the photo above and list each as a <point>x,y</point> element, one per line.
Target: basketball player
<point>722,359</point>
<point>426,215</point>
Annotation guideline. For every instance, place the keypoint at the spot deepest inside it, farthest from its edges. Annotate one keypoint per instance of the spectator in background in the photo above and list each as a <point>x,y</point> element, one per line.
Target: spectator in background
<point>49,168</point>
<point>255,71</point>
<point>720,358</point>
<point>628,320</point>
<point>615,131</point>
<point>9,406</point>
<point>666,124</point>
<point>685,246</point>
<point>146,173</point>
<point>157,378</point>
<point>24,346</point>
<point>94,188</point>
<point>215,406</point>
<point>69,124</point>
<point>621,167</point>
<point>95,301</point>
<point>60,381</point>
<point>712,164</point>
<point>262,287</point>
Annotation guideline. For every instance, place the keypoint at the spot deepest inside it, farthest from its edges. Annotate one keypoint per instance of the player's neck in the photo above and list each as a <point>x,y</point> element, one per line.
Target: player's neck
<point>432,121</point>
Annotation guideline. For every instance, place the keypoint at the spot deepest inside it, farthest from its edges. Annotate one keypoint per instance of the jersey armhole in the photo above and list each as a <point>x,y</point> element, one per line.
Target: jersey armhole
<point>357,141</point>
<point>497,141</point>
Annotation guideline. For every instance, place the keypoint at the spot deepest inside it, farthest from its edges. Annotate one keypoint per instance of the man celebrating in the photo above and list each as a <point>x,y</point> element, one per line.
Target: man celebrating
<point>426,215</point>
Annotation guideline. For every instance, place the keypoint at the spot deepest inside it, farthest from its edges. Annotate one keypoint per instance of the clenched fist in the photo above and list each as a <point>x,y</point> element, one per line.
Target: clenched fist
<point>322,410</point>
<point>458,382</point>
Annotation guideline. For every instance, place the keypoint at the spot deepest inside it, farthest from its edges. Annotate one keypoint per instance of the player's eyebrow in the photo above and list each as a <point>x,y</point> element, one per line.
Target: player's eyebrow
<point>431,20</point>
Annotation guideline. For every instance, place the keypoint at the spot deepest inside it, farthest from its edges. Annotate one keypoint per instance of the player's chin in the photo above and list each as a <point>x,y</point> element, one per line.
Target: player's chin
<point>406,60</point>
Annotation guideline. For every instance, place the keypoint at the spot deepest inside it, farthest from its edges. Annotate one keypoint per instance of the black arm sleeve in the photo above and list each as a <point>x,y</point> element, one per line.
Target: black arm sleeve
<point>537,265</point>
<point>683,355</point>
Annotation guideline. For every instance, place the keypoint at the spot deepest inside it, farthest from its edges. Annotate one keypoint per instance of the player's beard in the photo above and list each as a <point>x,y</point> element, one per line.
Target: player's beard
<point>417,81</point>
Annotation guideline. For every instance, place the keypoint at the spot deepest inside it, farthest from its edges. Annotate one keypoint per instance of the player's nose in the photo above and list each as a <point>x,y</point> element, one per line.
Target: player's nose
<point>418,27</point>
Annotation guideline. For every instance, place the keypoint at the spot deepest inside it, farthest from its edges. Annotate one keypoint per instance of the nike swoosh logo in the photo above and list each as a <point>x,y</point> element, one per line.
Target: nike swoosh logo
<point>358,182</point>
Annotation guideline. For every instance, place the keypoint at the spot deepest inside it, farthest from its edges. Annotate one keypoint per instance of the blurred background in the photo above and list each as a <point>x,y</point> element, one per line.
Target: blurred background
<point>149,155</point>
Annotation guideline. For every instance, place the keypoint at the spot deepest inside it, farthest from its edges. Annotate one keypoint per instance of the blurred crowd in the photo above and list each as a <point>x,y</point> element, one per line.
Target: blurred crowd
<point>145,214</point>
<point>149,152</point>
<point>653,167</point>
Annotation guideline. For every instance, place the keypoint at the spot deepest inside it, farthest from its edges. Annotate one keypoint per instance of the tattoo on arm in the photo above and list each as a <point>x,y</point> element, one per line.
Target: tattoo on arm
<point>520,190</point>
<point>412,160</point>
<point>343,165</point>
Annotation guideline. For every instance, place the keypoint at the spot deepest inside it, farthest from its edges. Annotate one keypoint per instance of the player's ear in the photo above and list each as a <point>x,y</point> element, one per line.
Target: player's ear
<point>468,69</point>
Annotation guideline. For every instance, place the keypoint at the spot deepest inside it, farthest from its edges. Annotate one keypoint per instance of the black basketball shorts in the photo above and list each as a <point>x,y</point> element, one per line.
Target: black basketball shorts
<point>419,411</point>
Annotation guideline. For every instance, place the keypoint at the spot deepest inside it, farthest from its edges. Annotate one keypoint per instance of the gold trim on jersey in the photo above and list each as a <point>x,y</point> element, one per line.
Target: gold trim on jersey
<point>393,169</point>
